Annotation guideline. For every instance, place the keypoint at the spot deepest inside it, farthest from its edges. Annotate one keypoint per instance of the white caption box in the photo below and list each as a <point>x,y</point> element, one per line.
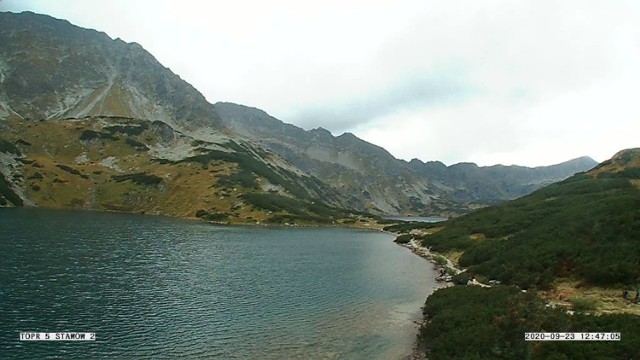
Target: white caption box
<point>562,336</point>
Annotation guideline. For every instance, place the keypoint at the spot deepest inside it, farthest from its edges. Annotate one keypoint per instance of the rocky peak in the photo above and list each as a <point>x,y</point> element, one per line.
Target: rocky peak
<point>55,70</point>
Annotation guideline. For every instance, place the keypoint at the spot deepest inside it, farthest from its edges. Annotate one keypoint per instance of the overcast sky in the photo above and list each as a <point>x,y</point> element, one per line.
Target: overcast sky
<point>512,82</point>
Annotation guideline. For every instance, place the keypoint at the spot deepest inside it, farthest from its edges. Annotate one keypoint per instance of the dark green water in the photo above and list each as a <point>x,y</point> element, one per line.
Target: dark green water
<point>154,287</point>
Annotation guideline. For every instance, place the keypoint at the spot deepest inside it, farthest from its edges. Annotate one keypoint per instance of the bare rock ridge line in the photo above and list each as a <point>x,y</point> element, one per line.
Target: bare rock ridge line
<point>383,182</point>
<point>59,73</point>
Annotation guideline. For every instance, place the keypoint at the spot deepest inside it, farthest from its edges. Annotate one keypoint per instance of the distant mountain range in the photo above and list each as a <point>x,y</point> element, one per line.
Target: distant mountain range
<point>92,122</point>
<point>379,180</point>
<point>585,227</point>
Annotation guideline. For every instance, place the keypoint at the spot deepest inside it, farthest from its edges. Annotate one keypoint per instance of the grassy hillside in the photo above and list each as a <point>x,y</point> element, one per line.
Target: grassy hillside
<point>123,164</point>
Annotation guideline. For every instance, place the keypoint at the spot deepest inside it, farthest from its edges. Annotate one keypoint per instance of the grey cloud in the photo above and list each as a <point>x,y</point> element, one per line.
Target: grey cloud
<point>418,92</point>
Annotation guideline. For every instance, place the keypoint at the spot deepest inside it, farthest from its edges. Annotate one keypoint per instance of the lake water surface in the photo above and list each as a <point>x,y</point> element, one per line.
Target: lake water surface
<point>427,219</point>
<point>156,287</point>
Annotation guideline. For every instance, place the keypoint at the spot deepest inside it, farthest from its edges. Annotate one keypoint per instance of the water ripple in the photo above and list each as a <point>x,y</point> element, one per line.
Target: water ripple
<point>157,287</point>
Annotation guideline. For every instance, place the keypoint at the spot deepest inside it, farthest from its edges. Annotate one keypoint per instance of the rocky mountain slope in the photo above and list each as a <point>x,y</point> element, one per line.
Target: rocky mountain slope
<point>98,123</point>
<point>125,164</point>
<point>50,69</point>
<point>383,182</point>
<point>91,110</point>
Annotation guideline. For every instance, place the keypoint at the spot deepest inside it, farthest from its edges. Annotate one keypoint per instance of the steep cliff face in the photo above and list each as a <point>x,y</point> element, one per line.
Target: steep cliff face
<point>50,69</point>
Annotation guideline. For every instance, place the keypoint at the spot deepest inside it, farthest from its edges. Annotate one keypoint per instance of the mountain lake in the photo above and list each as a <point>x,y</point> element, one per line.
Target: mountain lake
<point>158,287</point>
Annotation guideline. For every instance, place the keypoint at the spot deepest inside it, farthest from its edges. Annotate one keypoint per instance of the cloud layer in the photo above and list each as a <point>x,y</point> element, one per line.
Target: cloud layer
<point>499,81</point>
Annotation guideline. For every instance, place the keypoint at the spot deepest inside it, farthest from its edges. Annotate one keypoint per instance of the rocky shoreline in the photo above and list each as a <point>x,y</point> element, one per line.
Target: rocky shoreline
<point>443,279</point>
<point>445,271</point>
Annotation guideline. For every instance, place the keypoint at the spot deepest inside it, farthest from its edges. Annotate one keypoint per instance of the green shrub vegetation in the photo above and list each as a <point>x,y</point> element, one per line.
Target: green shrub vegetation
<point>296,209</point>
<point>69,169</point>
<point>7,194</point>
<point>440,260</point>
<point>382,221</point>
<point>216,217</point>
<point>136,144</point>
<point>583,227</point>
<point>138,178</point>
<point>211,216</point>
<point>132,130</point>
<point>403,239</point>
<point>242,178</point>
<point>89,135</point>
<point>583,304</point>
<point>73,171</point>
<point>248,164</point>
<point>469,322</point>
<point>406,226</point>
<point>291,218</point>
<point>8,147</point>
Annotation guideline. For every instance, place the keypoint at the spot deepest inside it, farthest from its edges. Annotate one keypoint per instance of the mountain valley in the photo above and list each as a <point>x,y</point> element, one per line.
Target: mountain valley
<point>114,129</point>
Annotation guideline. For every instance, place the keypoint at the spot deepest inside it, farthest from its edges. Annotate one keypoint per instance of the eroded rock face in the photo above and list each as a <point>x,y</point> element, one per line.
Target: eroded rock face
<point>51,69</point>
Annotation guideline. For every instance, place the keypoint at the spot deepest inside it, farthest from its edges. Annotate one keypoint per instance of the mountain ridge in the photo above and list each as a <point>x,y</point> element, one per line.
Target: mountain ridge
<point>73,72</point>
<point>52,70</point>
<point>429,188</point>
